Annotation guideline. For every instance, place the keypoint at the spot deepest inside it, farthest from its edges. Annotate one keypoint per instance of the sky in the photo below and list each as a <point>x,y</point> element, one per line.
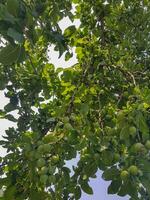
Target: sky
<point>99,185</point>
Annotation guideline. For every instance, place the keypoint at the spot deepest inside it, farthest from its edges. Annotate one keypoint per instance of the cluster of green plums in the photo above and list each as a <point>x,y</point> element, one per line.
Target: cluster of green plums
<point>45,161</point>
<point>133,170</point>
<point>46,172</point>
<point>141,148</point>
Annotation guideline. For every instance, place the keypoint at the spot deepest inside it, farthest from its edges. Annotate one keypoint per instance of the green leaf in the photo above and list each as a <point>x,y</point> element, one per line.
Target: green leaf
<point>128,188</point>
<point>146,183</point>
<point>144,165</point>
<point>10,54</point>
<point>52,137</point>
<point>15,35</point>
<point>10,193</point>
<point>77,192</point>
<point>114,186</point>
<point>61,49</point>
<point>11,118</point>
<point>90,169</point>
<point>84,109</point>
<point>22,55</point>
<point>13,7</point>
<point>29,18</point>
<point>69,31</point>
<point>86,188</point>
<point>68,55</point>
<point>124,134</point>
<point>79,52</point>
<point>76,1</point>
<point>3,82</point>
<point>5,15</point>
<point>142,125</point>
<point>4,182</point>
<point>107,157</point>
<point>10,107</point>
<point>110,174</point>
<point>2,114</point>
<point>36,194</point>
<point>68,127</point>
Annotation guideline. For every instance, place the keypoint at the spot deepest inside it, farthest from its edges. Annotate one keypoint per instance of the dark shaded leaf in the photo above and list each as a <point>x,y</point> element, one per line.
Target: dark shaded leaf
<point>77,193</point>
<point>114,186</point>
<point>15,35</point>
<point>86,188</point>
<point>10,54</point>
<point>11,118</point>
<point>110,174</point>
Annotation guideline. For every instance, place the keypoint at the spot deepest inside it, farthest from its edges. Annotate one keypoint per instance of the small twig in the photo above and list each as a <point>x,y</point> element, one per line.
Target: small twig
<point>32,64</point>
<point>101,124</point>
<point>103,32</point>
<point>125,72</point>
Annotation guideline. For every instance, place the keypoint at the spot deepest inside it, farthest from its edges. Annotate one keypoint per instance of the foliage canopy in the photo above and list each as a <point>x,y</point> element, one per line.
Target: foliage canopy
<point>99,108</point>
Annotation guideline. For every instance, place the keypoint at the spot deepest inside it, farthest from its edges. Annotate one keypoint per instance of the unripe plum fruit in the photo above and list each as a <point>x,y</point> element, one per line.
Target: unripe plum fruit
<point>133,170</point>
<point>124,175</point>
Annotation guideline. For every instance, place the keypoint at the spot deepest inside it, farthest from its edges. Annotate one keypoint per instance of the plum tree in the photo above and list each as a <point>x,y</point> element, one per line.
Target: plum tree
<point>97,110</point>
